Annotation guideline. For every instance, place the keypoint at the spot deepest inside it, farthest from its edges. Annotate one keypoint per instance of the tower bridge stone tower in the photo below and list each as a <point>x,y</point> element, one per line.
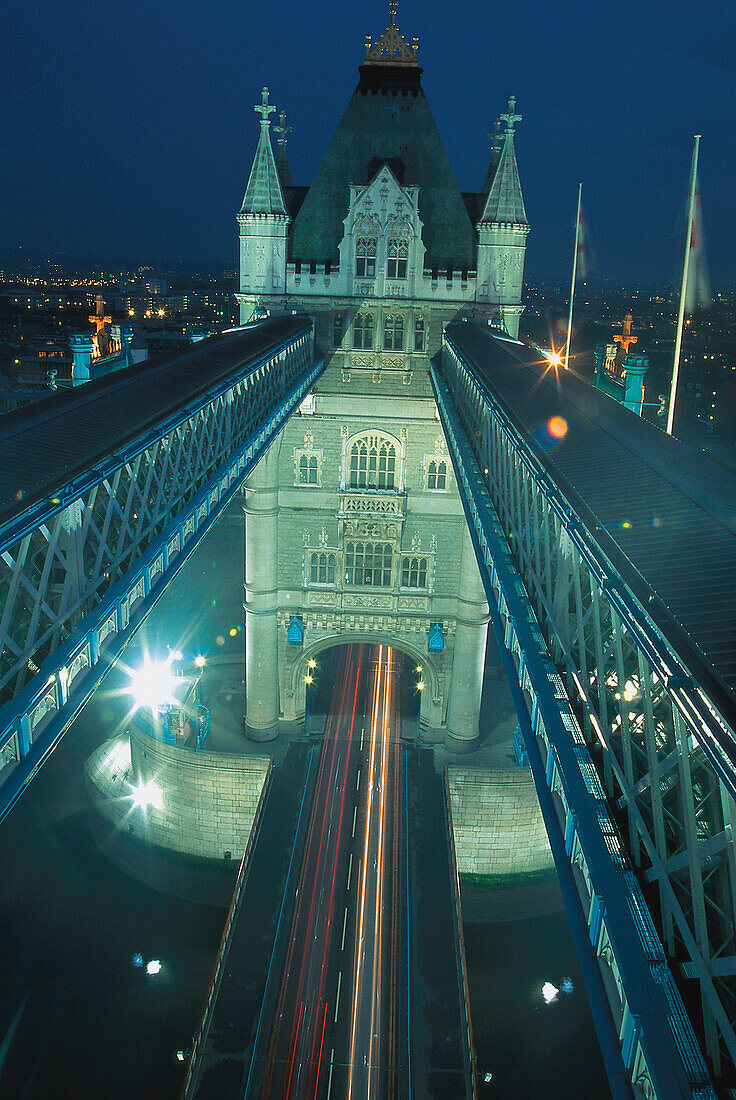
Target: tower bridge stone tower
<point>354,526</point>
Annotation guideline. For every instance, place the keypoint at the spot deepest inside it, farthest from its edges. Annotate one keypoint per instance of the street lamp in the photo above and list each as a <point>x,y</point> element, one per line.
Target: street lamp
<point>420,689</point>
<point>308,679</point>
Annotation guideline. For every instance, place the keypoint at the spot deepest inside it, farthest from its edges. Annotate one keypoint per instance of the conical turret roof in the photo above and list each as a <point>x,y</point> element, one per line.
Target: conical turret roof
<point>263,194</point>
<point>505,202</point>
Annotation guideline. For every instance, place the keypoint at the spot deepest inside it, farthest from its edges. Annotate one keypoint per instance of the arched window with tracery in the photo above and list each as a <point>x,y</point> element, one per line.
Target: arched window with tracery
<point>397,257</point>
<point>437,473</point>
<point>365,257</point>
<point>372,463</point>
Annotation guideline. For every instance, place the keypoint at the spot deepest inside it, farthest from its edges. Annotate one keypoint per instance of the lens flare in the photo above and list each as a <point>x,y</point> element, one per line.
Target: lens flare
<point>557,427</point>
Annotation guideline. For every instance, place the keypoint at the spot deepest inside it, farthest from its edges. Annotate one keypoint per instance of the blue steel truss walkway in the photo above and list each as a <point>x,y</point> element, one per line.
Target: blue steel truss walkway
<point>105,492</point>
<point>622,706</point>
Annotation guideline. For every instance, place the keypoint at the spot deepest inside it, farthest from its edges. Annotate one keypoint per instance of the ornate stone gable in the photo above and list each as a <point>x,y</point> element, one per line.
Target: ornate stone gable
<point>382,243</point>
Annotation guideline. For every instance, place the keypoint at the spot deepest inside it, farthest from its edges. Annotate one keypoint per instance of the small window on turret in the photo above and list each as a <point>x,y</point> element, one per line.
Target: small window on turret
<point>419,334</point>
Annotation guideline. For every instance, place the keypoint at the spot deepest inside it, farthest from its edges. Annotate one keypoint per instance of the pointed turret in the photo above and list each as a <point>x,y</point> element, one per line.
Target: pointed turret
<point>502,233</point>
<point>505,202</point>
<point>263,194</point>
<point>282,164</point>
<point>263,224</point>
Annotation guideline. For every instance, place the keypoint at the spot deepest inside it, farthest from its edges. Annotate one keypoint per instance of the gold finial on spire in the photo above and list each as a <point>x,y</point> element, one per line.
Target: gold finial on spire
<point>511,118</point>
<point>391,46</point>
<point>264,108</point>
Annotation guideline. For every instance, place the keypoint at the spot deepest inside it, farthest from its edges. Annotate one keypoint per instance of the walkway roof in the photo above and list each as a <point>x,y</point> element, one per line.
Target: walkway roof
<point>669,509</point>
<point>46,445</point>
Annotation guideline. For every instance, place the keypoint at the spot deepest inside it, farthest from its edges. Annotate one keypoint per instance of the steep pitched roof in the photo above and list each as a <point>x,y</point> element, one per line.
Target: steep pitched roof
<point>263,194</point>
<point>387,119</point>
<point>505,202</point>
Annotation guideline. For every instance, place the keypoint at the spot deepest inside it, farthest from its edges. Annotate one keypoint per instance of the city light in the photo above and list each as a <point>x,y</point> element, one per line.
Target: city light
<point>199,661</point>
<point>308,679</point>
<point>153,966</point>
<point>420,685</point>
<point>554,359</point>
<point>147,793</point>
<point>152,685</point>
<point>311,664</point>
<point>549,992</point>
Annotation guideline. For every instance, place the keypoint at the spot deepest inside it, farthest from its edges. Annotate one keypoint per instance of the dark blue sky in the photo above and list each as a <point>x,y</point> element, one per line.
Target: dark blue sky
<point>127,128</point>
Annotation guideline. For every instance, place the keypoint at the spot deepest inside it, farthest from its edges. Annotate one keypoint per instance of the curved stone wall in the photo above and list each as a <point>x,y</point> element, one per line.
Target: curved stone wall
<point>498,825</point>
<point>208,799</point>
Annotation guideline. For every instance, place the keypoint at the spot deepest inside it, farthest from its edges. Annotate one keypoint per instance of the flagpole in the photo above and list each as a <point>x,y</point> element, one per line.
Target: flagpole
<point>574,277</point>
<point>683,290</point>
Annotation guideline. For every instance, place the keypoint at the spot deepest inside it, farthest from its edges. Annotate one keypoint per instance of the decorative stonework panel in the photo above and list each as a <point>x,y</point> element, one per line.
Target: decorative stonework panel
<point>371,505</point>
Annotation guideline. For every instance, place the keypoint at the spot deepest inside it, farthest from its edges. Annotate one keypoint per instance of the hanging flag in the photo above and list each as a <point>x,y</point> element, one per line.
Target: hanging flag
<point>698,295</point>
<point>583,264</point>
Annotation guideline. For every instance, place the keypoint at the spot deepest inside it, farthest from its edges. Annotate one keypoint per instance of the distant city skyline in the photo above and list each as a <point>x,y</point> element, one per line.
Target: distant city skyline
<point>137,140</point>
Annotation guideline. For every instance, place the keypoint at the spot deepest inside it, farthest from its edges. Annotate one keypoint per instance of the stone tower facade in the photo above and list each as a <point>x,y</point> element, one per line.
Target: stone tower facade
<point>356,500</point>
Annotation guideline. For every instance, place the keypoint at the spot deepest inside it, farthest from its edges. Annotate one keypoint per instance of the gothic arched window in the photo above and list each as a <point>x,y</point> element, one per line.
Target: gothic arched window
<point>393,332</point>
<point>414,572</point>
<point>365,257</point>
<point>397,257</point>
<point>368,563</point>
<point>437,473</point>
<point>372,463</point>
<point>363,331</point>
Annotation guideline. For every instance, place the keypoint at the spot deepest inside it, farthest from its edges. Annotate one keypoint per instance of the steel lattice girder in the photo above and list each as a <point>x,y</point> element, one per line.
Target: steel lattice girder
<point>537,537</point>
<point>78,577</point>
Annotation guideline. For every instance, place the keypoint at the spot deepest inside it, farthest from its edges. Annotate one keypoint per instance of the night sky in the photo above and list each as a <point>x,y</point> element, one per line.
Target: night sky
<point>127,128</point>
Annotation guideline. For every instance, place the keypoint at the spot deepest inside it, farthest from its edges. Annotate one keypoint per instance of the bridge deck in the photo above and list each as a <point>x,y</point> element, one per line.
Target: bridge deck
<point>671,511</point>
<point>49,443</point>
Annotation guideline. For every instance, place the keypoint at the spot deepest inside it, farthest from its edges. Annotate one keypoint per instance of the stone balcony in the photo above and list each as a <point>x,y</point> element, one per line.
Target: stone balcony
<point>371,504</point>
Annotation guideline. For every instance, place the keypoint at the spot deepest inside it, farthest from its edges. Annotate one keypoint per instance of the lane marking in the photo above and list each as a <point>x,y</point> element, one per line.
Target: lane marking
<point>357,782</point>
<point>344,926</point>
<point>337,1004</point>
<point>350,869</point>
<point>355,814</point>
<point>329,1081</point>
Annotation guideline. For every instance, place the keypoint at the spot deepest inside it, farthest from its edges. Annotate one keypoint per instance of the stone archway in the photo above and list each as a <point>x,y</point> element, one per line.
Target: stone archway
<point>432,701</point>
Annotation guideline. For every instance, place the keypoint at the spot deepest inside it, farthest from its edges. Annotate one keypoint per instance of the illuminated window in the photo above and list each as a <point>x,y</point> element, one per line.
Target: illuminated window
<point>372,463</point>
<point>437,473</point>
<point>363,331</point>
<point>365,257</point>
<point>414,572</point>
<point>322,567</point>
<point>393,332</point>
<point>419,334</point>
<point>368,564</point>
<point>398,254</point>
